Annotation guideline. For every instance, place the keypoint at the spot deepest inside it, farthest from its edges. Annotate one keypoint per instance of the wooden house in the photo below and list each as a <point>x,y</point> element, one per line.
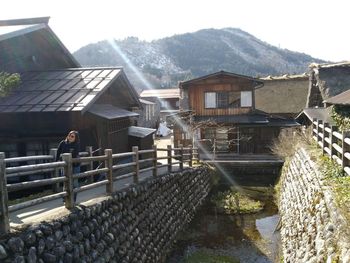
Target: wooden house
<point>223,117</point>
<point>167,100</point>
<point>39,113</point>
<point>283,95</point>
<point>56,95</point>
<point>31,45</point>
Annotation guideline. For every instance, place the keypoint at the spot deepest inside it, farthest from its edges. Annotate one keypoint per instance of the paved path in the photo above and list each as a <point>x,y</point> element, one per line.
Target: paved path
<point>55,208</point>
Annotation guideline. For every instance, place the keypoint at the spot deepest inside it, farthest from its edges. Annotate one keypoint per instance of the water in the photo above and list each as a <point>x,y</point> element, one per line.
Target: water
<point>248,238</point>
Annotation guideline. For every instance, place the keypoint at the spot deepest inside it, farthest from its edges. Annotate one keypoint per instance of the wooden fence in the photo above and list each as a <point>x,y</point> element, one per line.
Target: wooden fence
<point>334,143</point>
<point>110,171</point>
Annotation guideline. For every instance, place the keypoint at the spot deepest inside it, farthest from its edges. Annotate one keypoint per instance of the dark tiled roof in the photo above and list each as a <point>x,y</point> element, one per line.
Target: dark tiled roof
<point>340,99</point>
<point>323,114</point>
<point>32,47</point>
<point>222,73</point>
<point>249,119</point>
<point>58,90</point>
<point>240,119</point>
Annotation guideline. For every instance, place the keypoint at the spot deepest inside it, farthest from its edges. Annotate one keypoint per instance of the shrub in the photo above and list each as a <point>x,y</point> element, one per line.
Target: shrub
<point>8,82</point>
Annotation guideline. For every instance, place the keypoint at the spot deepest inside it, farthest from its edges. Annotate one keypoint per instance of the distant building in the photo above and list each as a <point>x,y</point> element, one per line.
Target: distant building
<point>149,116</point>
<point>167,100</point>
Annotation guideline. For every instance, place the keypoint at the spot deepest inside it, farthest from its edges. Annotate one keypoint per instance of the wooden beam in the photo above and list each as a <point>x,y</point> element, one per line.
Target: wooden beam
<point>4,215</point>
<point>25,21</point>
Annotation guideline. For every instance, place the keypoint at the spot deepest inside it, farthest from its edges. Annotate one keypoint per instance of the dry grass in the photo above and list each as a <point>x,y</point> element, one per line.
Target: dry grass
<point>289,141</point>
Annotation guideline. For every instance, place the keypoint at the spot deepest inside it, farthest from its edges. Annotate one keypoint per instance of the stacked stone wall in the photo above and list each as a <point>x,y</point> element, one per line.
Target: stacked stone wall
<point>312,229</point>
<point>138,224</point>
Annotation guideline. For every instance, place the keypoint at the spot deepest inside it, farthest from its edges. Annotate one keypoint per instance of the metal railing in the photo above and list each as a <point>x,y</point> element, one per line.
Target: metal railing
<point>333,143</point>
<point>109,169</point>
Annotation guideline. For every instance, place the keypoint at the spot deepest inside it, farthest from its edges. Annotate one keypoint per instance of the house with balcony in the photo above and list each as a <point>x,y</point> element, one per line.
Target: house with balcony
<point>218,113</point>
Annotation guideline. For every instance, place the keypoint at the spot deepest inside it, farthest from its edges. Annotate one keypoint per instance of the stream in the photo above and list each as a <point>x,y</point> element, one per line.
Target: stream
<point>243,238</point>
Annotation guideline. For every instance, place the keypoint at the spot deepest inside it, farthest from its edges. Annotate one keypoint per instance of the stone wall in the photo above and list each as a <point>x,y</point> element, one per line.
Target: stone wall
<point>138,224</point>
<point>312,229</point>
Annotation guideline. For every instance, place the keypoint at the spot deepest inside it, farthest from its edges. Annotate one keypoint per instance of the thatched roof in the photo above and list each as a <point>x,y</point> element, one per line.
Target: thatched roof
<point>331,79</point>
<point>329,65</point>
<point>285,94</point>
<point>303,76</point>
<point>340,99</point>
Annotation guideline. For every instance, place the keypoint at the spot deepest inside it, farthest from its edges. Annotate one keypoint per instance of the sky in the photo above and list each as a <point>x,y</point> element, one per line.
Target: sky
<point>319,28</point>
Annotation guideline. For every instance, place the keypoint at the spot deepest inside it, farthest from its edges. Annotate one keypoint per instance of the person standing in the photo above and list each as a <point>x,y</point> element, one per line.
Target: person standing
<point>71,144</point>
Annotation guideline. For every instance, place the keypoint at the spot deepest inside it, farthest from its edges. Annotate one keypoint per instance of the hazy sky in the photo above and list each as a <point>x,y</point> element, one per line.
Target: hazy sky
<point>319,28</point>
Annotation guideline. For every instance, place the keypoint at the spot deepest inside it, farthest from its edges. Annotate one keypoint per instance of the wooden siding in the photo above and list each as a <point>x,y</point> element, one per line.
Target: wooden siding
<point>196,98</point>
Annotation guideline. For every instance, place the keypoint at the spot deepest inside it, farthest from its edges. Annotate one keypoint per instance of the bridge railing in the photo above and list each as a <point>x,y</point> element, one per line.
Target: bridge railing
<point>334,143</point>
<point>109,170</point>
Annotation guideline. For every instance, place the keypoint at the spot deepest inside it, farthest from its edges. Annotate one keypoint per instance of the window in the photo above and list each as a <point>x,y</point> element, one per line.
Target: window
<point>246,99</point>
<point>234,99</point>
<point>164,104</point>
<point>210,100</point>
<point>231,99</point>
<point>222,99</point>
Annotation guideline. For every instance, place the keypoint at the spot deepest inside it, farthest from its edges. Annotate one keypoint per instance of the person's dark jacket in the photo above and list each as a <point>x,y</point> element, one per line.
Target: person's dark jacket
<point>66,147</point>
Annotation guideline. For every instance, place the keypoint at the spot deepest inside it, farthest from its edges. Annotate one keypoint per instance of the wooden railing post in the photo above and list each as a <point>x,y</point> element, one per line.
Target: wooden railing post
<point>325,125</point>
<point>90,166</point>
<point>169,158</point>
<point>333,139</point>
<point>4,214</point>
<point>346,148</point>
<point>135,149</point>
<point>68,184</point>
<point>214,149</point>
<point>55,172</point>
<point>181,157</point>
<point>314,127</point>
<point>109,165</point>
<point>197,151</point>
<point>191,156</point>
<point>319,122</point>
<point>155,165</point>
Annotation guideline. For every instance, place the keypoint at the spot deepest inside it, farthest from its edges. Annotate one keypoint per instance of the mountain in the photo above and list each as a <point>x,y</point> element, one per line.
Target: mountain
<point>163,62</point>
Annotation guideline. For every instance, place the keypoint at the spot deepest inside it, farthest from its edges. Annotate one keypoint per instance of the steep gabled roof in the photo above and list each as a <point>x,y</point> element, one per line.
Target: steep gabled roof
<point>221,73</point>
<point>30,44</point>
<point>64,89</point>
<point>161,93</point>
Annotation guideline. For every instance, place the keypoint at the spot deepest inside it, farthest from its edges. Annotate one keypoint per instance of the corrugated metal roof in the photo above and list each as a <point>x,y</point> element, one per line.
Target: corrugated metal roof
<point>161,93</point>
<point>340,99</point>
<point>58,90</point>
<point>140,132</point>
<point>110,112</point>
<point>146,102</point>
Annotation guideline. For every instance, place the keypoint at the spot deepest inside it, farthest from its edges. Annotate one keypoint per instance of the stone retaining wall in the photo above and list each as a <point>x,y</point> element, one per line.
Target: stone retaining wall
<point>134,225</point>
<point>312,230</point>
